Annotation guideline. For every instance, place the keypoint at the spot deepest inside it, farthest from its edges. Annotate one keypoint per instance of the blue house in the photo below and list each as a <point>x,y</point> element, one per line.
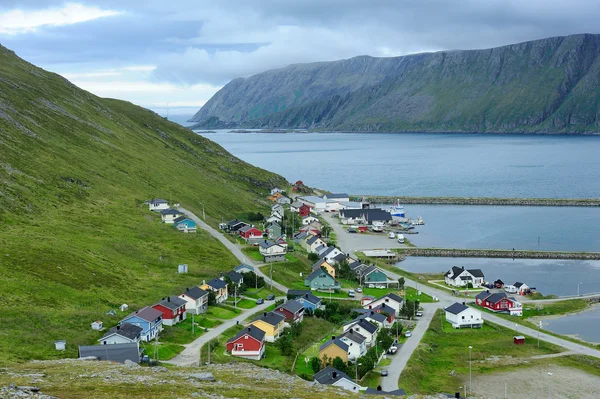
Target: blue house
<point>149,319</point>
<point>185,224</point>
<point>310,301</point>
<point>321,280</point>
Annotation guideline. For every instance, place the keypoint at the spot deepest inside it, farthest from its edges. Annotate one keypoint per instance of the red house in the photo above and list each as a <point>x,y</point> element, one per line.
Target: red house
<point>248,343</point>
<point>499,302</point>
<point>293,311</point>
<point>250,232</point>
<point>173,309</point>
<point>304,210</point>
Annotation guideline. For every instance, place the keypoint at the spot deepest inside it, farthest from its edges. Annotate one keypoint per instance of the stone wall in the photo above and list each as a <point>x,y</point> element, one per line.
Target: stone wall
<point>493,253</point>
<point>481,201</point>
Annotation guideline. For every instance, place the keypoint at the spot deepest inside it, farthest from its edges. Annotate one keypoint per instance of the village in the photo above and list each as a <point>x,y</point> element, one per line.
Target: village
<point>300,304</point>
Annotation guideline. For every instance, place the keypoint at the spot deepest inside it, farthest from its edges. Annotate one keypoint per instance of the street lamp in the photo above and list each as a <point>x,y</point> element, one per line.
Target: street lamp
<point>356,363</point>
<point>470,373</point>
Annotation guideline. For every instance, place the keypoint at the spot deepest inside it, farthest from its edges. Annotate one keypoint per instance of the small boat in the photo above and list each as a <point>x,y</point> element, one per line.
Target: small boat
<point>392,235</point>
<point>397,210</point>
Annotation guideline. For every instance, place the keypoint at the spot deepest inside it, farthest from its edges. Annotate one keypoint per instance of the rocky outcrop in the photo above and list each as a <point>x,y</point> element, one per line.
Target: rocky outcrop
<point>542,86</point>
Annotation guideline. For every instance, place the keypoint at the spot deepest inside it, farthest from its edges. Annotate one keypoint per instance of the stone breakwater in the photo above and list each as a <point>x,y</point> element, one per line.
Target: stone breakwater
<point>498,253</point>
<point>481,201</point>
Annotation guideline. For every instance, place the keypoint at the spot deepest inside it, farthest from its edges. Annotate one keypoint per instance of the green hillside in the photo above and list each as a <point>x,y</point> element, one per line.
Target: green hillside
<point>75,237</point>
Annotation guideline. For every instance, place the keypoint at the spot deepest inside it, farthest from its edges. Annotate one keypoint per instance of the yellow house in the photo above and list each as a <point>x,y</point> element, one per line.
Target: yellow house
<point>271,323</point>
<point>334,348</point>
<point>323,264</point>
<point>218,286</point>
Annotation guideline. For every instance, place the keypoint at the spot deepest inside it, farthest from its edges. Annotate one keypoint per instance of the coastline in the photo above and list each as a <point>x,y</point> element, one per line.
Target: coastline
<point>591,307</point>
<point>389,199</point>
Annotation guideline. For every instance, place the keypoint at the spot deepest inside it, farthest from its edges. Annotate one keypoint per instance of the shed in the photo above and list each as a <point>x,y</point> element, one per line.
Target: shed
<point>97,325</point>
<point>519,340</point>
<point>124,307</point>
<point>60,345</point>
<point>183,268</point>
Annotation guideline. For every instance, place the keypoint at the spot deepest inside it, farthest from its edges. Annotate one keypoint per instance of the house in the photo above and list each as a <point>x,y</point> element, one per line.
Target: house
<point>374,277</point>
<point>234,225</point>
<point>122,334</point>
<point>304,210</point>
<point>235,277</point>
<point>364,328</point>
<point>196,300</point>
<point>339,258</point>
<point>308,219</point>
<point>321,280</point>
<point>296,205</point>
<point>378,319</point>
<point>281,242</point>
<point>249,232</point>
<point>329,254</point>
<point>366,299</point>
<point>169,215</point>
<point>276,190</point>
<point>368,216</point>
<point>114,353</point>
<point>337,197</point>
<point>460,315</point>
<point>274,218</point>
<point>278,211</point>
<point>249,343</point>
<point>185,224</point>
<point>333,348</point>
<point>218,286</point>
<point>97,325</point>
<point>293,311</point>
<point>522,288</point>
<point>388,311</point>
<point>271,251</point>
<point>244,268</point>
<point>158,204</point>
<point>334,377</point>
<point>499,302</point>
<point>301,237</point>
<point>498,284</point>
<point>357,267</point>
<point>312,243</point>
<point>310,301</point>
<point>392,300</point>
<point>149,319</point>
<point>313,228</point>
<point>459,277</point>
<point>357,343</point>
<point>273,231</point>
<point>173,309</point>
<point>271,323</point>
<point>316,204</point>
<point>323,264</point>
<point>284,200</point>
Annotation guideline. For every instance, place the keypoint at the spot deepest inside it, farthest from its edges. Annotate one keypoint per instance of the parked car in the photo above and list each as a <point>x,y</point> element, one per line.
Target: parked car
<point>408,333</point>
<point>392,350</point>
<point>384,373</point>
<point>270,297</point>
<point>260,301</point>
<point>419,314</point>
<point>351,230</point>
<point>351,293</point>
<point>359,289</point>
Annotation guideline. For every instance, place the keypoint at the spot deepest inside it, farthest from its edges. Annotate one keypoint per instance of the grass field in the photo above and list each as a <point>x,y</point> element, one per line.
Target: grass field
<point>208,322</point>
<point>246,304</point>
<point>181,333</point>
<point>222,312</point>
<point>263,293</point>
<point>253,253</point>
<point>441,362</point>
<point>288,273</point>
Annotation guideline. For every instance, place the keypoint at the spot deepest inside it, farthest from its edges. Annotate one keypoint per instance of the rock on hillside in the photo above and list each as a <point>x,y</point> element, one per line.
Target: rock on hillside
<point>544,86</point>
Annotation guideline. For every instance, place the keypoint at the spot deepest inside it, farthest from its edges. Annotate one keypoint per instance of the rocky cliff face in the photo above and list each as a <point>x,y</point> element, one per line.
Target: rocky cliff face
<point>542,86</point>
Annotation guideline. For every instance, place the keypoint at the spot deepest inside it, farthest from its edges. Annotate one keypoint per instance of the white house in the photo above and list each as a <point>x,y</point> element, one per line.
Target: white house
<point>522,288</point>
<point>460,315</point>
<point>271,251</point>
<point>277,208</point>
<point>306,220</point>
<point>276,190</point>
<point>364,328</point>
<point>459,277</point>
<point>196,300</point>
<point>283,200</point>
<point>392,300</point>
<point>334,377</point>
<point>274,218</point>
<point>312,243</point>
<point>122,334</point>
<point>295,206</point>
<point>330,253</point>
<point>337,197</point>
<point>357,343</point>
<point>169,215</point>
<point>158,204</point>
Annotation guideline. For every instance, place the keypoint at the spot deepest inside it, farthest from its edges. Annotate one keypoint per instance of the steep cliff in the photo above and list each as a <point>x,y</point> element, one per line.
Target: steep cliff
<point>544,86</point>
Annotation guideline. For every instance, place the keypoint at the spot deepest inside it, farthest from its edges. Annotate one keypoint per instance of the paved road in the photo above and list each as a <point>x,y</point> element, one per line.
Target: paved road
<point>191,353</point>
<point>399,360</point>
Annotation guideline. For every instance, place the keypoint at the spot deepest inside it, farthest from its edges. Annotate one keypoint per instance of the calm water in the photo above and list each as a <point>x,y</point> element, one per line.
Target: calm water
<point>586,325</point>
<point>558,277</point>
<point>427,164</point>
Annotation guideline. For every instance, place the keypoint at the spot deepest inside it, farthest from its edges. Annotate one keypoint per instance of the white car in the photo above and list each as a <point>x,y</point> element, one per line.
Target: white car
<point>359,289</point>
<point>408,333</point>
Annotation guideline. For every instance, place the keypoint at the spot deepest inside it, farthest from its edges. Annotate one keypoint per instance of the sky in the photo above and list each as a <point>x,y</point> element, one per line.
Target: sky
<point>177,54</point>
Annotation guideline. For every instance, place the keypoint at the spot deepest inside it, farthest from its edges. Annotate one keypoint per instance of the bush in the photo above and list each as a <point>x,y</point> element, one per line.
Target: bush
<point>315,364</point>
<point>313,257</point>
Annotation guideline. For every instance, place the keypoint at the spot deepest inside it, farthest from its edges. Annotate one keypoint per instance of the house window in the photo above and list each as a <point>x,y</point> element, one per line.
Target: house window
<point>463,317</point>
<point>245,337</point>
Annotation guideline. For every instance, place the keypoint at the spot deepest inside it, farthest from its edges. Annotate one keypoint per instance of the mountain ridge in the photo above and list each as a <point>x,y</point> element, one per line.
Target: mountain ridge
<point>540,86</point>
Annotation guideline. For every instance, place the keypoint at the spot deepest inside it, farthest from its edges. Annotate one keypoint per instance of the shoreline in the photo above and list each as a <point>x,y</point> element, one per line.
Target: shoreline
<point>591,307</point>
<point>387,199</point>
<point>496,253</point>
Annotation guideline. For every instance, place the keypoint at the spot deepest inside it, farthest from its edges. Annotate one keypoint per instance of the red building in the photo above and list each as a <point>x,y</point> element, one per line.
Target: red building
<point>293,311</point>
<point>499,302</point>
<point>250,232</point>
<point>173,309</point>
<point>304,210</point>
<point>248,343</point>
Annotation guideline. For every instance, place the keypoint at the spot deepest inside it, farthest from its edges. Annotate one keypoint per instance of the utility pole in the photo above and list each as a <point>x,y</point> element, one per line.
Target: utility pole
<point>470,373</point>
<point>208,351</point>
<point>539,326</point>
<point>193,324</point>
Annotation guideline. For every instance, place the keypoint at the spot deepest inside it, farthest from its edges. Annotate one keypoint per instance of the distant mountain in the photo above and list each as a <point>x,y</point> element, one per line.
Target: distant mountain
<point>543,86</point>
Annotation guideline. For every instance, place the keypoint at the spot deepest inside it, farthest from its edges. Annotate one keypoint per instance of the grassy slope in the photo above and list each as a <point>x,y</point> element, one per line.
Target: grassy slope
<point>75,238</point>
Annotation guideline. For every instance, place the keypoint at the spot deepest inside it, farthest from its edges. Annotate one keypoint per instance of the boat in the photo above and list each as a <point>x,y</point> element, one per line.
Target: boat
<point>397,210</point>
<point>392,235</point>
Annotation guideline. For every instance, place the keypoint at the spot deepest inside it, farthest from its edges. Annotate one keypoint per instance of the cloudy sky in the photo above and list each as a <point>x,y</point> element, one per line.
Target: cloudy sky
<point>180,52</point>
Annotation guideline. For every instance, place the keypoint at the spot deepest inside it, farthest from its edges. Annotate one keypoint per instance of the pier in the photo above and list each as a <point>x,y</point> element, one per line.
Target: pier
<point>378,199</point>
<point>498,253</point>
